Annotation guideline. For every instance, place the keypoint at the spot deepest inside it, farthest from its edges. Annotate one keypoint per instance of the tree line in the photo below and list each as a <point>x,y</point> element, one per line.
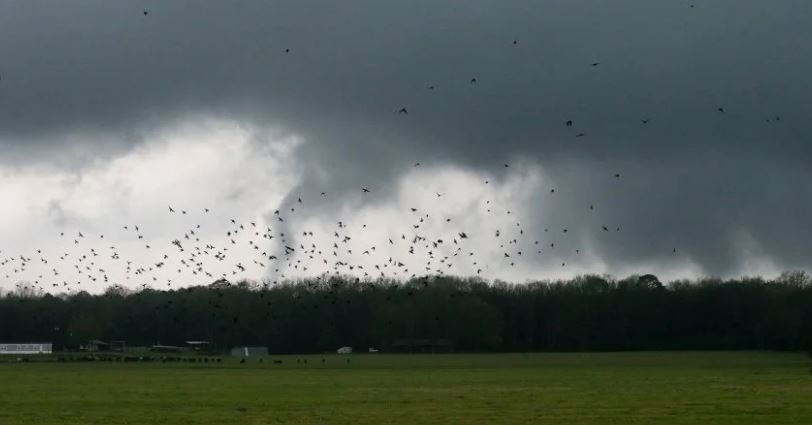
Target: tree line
<point>587,313</point>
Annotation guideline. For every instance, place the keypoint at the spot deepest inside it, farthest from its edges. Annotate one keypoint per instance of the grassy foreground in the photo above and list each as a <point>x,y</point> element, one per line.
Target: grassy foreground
<point>601,388</point>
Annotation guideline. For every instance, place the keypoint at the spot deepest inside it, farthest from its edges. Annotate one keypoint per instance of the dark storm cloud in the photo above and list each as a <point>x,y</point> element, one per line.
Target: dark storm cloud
<point>103,72</point>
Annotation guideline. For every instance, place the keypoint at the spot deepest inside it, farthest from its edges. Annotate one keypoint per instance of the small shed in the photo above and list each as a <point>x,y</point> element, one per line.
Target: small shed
<point>199,346</point>
<point>344,350</point>
<point>95,345</point>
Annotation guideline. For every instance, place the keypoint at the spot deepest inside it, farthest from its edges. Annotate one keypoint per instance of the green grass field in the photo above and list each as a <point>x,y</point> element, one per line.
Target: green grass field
<point>602,388</point>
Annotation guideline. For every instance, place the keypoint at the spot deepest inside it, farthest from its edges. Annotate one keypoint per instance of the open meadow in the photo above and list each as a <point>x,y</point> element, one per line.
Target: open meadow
<point>550,388</point>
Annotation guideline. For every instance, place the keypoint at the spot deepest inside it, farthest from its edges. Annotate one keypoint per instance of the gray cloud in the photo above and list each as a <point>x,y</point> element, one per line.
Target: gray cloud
<point>94,78</point>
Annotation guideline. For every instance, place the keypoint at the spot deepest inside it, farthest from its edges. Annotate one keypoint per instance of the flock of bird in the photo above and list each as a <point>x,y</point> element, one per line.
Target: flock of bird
<point>262,248</point>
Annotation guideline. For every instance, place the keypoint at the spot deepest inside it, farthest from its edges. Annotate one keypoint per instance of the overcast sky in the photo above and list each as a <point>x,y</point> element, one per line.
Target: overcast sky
<point>109,115</point>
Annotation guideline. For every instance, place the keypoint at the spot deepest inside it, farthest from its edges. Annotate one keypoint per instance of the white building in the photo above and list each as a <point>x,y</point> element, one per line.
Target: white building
<point>344,350</point>
<point>27,348</point>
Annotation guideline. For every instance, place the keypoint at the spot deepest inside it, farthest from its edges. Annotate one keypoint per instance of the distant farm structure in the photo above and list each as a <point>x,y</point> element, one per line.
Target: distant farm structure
<point>167,349</point>
<point>95,345</point>
<point>26,348</point>
<point>117,346</point>
<point>202,347</point>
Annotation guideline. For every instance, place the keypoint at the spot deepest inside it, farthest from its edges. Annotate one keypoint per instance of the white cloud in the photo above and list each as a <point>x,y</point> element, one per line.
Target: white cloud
<point>474,207</point>
<point>234,170</point>
<point>242,173</point>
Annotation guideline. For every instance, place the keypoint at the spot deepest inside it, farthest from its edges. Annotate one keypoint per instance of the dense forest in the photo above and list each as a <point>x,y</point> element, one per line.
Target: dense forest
<point>588,313</point>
